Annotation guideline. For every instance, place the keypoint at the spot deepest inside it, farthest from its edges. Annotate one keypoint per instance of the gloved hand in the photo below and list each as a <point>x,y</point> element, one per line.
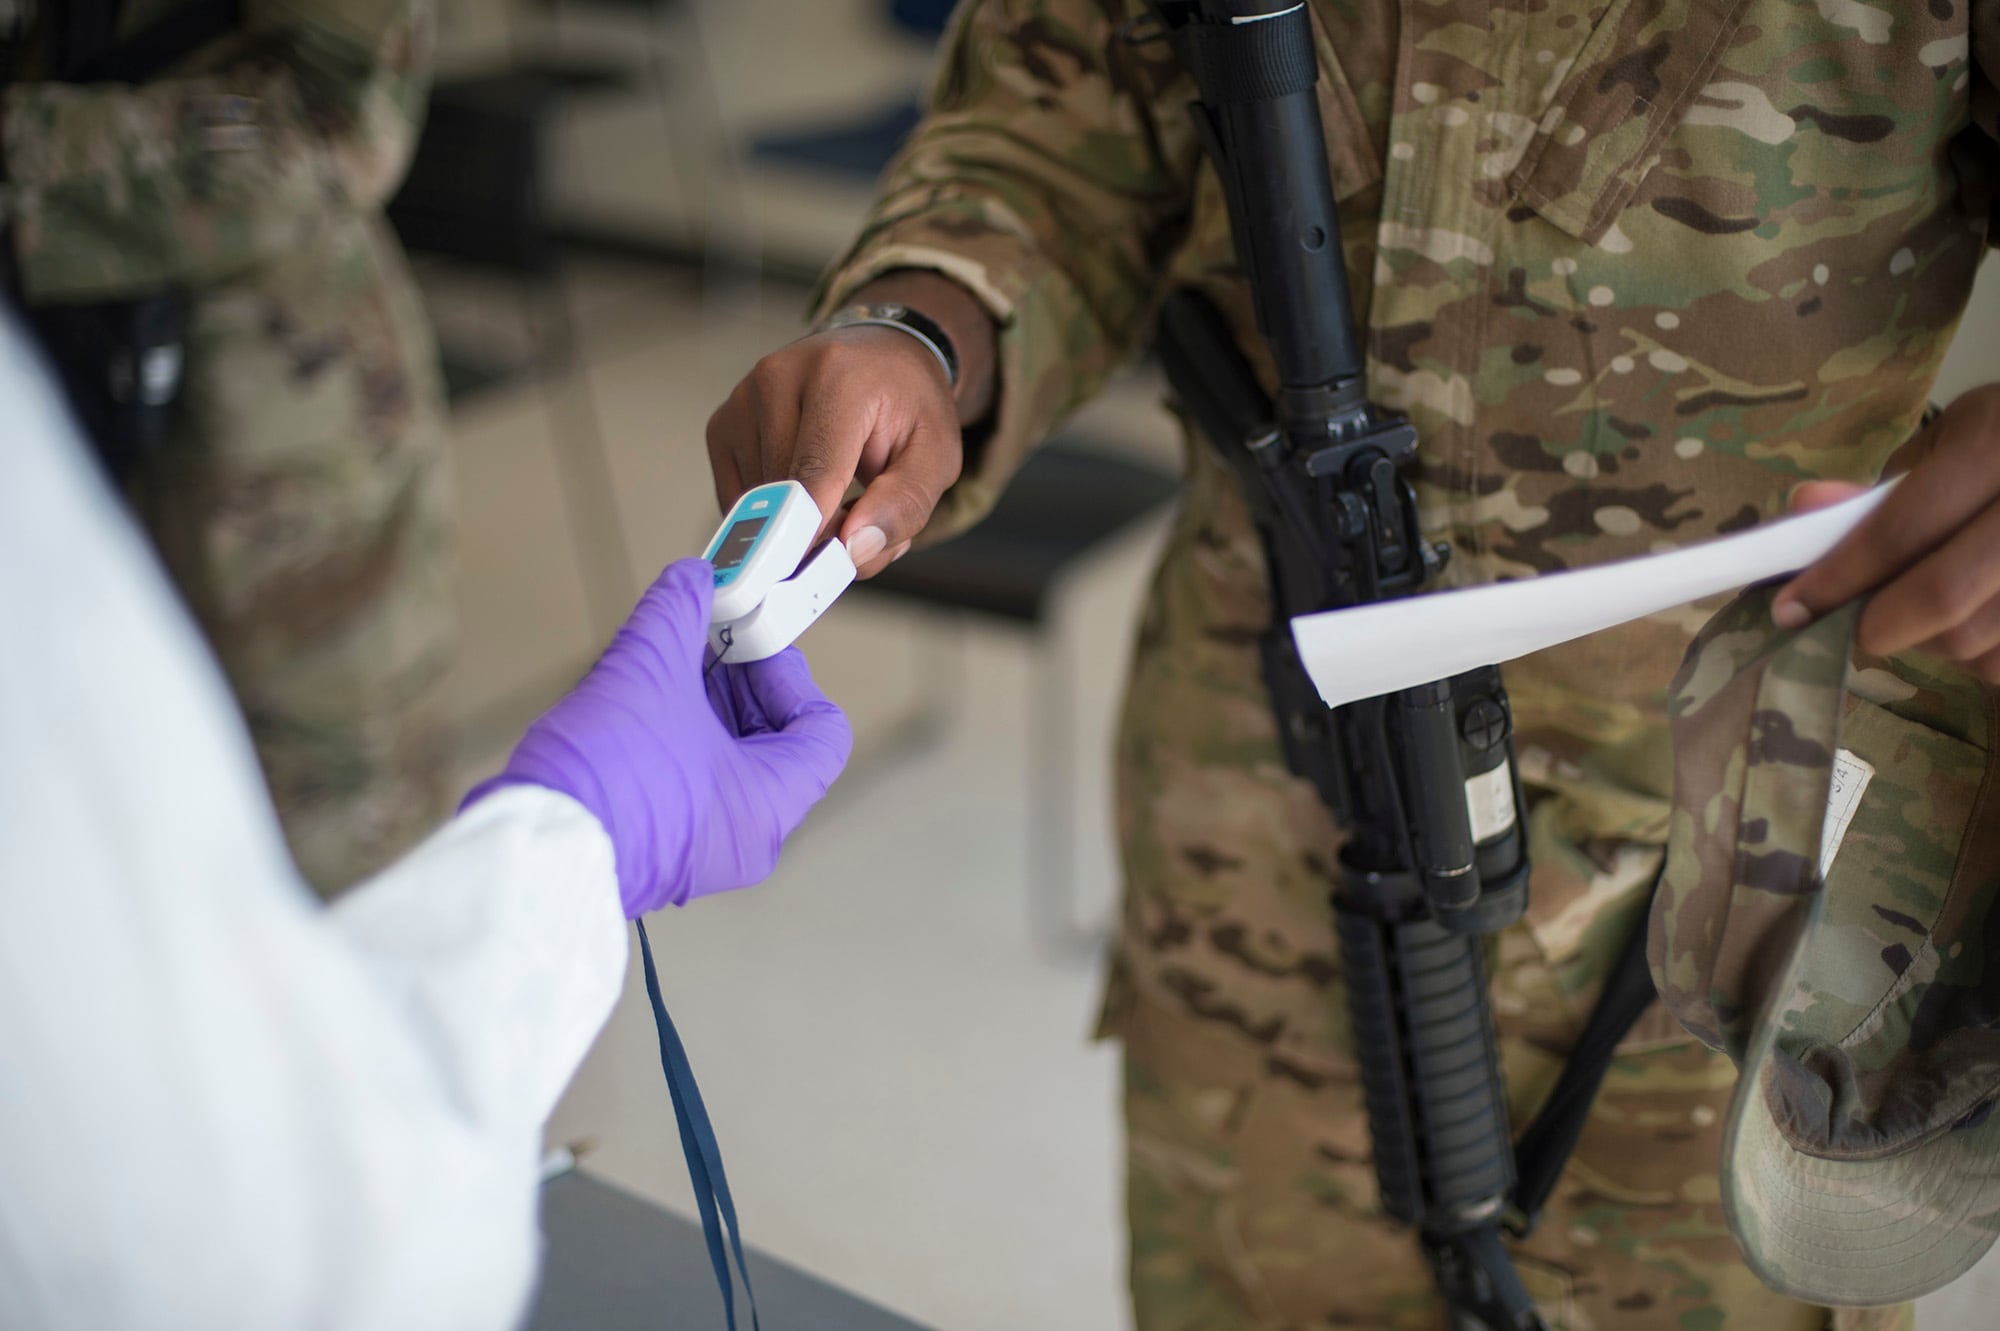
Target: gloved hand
<point>697,781</point>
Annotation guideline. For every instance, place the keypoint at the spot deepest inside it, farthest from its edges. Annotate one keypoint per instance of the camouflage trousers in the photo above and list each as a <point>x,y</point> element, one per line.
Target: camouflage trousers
<point>319,571</point>
<point>1251,1196</point>
<point>1251,1199</point>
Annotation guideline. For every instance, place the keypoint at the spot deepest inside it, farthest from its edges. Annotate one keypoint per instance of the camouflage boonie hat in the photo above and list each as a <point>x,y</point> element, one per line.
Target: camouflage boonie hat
<point>1827,918</point>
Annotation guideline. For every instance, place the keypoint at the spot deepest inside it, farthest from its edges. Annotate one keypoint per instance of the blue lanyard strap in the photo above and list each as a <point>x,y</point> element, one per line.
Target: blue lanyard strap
<point>704,1157</point>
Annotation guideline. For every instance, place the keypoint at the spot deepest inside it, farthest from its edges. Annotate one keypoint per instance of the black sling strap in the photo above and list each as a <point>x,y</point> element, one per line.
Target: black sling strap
<point>1545,1145</point>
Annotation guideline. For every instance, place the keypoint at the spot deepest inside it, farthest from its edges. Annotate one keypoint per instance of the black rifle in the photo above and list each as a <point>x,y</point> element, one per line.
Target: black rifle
<point>1422,781</point>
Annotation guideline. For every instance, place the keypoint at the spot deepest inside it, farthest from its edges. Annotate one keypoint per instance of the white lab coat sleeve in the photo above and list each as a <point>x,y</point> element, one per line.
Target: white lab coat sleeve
<point>504,922</point>
<point>223,1105</point>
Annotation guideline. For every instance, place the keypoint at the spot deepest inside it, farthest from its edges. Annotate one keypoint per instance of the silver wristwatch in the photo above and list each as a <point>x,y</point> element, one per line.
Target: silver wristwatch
<point>917,325</point>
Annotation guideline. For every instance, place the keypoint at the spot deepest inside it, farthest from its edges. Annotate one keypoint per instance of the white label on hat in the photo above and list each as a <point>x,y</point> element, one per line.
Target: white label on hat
<point>1851,776</point>
<point>1489,798</point>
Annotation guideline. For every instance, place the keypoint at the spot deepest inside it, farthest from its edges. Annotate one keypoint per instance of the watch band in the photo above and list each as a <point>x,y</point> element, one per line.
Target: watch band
<point>902,317</point>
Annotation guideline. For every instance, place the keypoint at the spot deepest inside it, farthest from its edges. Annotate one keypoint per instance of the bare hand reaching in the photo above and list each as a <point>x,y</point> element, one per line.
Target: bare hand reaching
<point>865,404</point>
<point>1930,553</point>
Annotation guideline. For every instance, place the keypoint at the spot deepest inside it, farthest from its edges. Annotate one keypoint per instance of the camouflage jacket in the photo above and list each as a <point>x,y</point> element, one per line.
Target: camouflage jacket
<point>1634,267</point>
<point>255,150</point>
<point>252,178</point>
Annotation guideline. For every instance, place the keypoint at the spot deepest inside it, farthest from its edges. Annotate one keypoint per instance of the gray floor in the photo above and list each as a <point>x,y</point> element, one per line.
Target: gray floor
<point>901,1077</point>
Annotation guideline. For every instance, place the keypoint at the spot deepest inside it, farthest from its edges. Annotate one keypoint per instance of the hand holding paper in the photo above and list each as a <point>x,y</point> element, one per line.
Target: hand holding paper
<point>1375,649</point>
<point>1928,558</point>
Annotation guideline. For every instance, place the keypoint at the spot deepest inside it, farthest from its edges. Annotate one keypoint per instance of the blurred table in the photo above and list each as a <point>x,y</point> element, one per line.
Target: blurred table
<point>615,1262</point>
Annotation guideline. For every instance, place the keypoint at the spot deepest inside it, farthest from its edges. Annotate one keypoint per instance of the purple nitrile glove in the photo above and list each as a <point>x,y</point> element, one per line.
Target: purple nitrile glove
<point>697,780</point>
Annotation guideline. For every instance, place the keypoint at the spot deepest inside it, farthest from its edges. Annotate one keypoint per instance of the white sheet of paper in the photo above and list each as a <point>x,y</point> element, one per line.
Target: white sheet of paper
<point>1375,649</point>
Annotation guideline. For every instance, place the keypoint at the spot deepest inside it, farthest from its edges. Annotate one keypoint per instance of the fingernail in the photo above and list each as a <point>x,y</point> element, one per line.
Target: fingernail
<point>1790,615</point>
<point>865,544</point>
<point>900,551</point>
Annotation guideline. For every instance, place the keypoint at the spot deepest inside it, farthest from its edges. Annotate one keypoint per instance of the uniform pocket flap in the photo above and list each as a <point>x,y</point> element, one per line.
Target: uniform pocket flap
<point>1640,70</point>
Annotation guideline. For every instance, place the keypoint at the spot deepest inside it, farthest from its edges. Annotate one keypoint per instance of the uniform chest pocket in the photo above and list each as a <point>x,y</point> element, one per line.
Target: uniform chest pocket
<point>1635,79</point>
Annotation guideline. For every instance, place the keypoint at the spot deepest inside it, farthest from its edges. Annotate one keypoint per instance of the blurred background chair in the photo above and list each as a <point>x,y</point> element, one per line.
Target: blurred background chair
<point>1067,502</point>
<point>861,147</point>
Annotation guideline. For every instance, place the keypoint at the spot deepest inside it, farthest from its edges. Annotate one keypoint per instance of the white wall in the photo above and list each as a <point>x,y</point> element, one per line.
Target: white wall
<point>1975,356</point>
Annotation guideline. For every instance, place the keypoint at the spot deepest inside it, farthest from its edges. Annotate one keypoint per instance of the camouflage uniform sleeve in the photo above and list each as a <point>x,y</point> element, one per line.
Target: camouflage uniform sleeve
<point>311,110</point>
<point>1043,182</point>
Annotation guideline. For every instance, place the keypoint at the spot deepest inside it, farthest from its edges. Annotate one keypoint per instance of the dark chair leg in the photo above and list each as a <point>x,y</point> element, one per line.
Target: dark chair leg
<point>1051,817</point>
<point>694,155</point>
<point>583,459</point>
<point>724,230</point>
<point>940,693</point>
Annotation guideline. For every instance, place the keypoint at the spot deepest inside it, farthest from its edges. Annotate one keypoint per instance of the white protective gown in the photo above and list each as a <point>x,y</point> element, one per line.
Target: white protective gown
<point>223,1105</point>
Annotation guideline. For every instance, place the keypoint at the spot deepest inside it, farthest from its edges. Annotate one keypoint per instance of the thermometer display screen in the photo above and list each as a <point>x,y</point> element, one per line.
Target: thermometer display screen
<point>736,544</point>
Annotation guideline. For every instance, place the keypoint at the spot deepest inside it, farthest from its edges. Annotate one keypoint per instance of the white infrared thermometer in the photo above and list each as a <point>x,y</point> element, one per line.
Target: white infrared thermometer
<point>770,585</point>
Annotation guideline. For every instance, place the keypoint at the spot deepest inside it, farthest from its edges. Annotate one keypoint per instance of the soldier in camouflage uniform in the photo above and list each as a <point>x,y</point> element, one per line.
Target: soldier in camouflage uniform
<point>301,505</point>
<point>1636,269</point>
